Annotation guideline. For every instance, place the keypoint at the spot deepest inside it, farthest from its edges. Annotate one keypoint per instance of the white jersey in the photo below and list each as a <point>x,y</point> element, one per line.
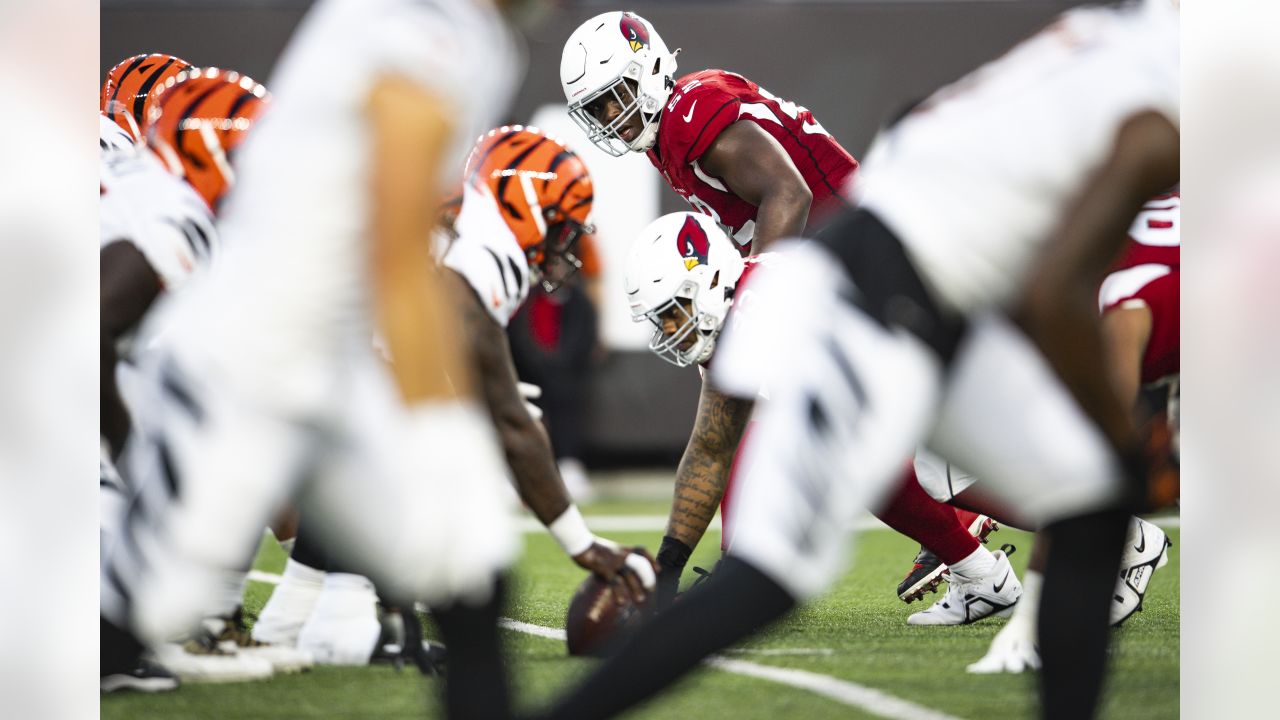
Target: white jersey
<point>487,254</point>
<point>978,176</point>
<point>112,137</point>
<point>294,291</point>
<point>144,204</point>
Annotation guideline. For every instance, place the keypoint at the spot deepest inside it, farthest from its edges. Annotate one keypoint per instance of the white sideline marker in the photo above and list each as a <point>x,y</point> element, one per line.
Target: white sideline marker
<point>842,691</point>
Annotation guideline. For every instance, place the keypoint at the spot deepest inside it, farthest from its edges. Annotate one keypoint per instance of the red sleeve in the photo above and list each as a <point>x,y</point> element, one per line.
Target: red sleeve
<point>697,118</point>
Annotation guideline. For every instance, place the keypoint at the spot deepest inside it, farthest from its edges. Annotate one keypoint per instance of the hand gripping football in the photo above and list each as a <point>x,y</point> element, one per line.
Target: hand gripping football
<point>596,622</point>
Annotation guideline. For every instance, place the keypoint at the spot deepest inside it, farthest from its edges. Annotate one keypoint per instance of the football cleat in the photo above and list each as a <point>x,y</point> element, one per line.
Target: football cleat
<point>1146,549</point>
<point>972,599</point>
<point>289,606</point>
<point>927,571</point>
<point>146,676</point>
<point>201,660</point>
<point>232,636</point>
<point>343,628</point>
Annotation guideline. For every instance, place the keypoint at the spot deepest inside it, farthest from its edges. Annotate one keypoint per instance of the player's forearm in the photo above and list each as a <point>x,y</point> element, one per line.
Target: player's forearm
<point>700,483</point>
<point>533,464</point>
<point>782,213</point>
<point>417,320</point>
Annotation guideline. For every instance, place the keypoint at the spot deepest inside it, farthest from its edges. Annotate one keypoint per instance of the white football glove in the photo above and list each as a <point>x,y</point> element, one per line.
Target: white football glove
<point>1013,649</point>
<point>530,392</point>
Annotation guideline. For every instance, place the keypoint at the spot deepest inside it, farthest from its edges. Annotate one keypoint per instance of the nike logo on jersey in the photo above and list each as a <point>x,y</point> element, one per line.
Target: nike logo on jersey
<point>689,116</point>
<point>1003,580</point>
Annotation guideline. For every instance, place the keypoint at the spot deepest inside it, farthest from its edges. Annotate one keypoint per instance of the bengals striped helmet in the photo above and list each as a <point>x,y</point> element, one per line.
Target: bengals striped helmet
<point>544,193</point>
<point>129,91</point>
<point>200,117</point>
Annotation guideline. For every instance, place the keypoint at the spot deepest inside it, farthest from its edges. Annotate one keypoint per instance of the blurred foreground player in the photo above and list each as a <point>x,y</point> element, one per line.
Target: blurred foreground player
<point>760,166</point>
<point>157,229</point>
<point>269,382</point>
<point>890,333</point>
<point>526,202</point>
<point>1140,303</point>
<point>685,277</point>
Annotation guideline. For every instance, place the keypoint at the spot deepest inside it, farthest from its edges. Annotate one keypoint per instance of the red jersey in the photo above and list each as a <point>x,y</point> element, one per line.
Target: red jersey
<point>702,105</point>
<point>1147,274</point>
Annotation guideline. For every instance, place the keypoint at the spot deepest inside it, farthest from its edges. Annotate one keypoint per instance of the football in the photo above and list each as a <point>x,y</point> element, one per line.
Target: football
<point>595,621</point>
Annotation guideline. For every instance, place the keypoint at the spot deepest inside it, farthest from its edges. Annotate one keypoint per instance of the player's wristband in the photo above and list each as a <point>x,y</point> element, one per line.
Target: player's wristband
<point>673,554</point>
<point>571,531</point>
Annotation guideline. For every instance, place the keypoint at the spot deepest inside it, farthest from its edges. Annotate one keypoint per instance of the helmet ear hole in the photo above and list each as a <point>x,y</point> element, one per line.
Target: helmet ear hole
<point>715,280</point>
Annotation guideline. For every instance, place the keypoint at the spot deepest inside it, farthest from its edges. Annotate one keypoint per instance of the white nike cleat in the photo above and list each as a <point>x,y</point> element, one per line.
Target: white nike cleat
<point>289,606</point>
<point>1013,649</point>
<point>343,628</point>
<point>197,661</point>
<point>972,599</point>
<point>1146,549</point>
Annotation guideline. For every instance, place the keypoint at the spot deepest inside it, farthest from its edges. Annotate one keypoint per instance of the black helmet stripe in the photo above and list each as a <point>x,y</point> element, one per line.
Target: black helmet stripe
<point>186,115</point>
<point>496,143</point>
<point>115,94</point>
<point>555,163</point>
<point>140,100</point>
<point>505,180</point>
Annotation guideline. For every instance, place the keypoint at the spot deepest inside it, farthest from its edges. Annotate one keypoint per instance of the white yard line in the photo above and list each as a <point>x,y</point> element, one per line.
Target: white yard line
<point>873,701</point>
<point>845,692</point>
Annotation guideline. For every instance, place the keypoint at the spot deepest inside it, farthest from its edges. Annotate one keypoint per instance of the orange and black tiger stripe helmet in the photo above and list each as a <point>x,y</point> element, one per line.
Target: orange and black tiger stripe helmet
<point>200,117</point>
<point>543,191</point>
<point>128,94</point>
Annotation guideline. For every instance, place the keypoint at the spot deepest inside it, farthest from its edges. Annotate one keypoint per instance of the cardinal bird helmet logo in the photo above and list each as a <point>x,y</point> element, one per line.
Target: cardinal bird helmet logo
<point>692,243</point>
<point>634,31</point>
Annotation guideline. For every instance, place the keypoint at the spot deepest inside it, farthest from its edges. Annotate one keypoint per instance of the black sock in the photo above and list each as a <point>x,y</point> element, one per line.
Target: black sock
<point>309,551</point>
<point>738,601</point>
<point>118,650</point>
<point>1075,602</point>
<point>476,681</point>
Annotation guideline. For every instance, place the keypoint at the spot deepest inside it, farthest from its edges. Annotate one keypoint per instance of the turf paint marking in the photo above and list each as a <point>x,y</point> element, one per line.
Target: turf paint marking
<point>842,691</point>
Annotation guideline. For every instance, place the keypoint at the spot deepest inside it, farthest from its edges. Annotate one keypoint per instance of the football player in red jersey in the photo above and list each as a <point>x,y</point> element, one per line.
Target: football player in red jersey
<point>685,276</point>
<point>761,166</point>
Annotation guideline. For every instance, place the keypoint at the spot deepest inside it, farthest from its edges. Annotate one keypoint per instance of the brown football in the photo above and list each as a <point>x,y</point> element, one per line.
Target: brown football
<point>595,621</point>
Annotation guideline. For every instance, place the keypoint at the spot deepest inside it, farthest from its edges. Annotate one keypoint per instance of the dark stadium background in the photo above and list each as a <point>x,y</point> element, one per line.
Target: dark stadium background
<point>854,63</point>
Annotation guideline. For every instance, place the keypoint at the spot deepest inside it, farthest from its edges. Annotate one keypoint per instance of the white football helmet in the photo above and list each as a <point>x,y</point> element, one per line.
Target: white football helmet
<point>683,268</point>
<point>598,58</point>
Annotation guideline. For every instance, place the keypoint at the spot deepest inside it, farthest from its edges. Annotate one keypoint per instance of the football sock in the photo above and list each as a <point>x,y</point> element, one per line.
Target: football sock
<point>118,650</point>
<point>476,681</point>
<point>308,551</point>
<point>912,512</point>
<point>978,563</point>
<point>966,517</point>
<point>735,603</point>
<point>1074,611</point>
<point>1029,603</point>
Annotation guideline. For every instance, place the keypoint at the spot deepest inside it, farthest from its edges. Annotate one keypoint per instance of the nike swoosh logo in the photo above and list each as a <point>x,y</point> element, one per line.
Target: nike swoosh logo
<point>1003,580</point>
<point>1142,541</point>
<point>606,60</point>
<point>689,117</point>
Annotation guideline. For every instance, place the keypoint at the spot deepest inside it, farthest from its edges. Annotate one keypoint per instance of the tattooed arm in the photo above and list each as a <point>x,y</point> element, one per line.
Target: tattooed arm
<point>700,481</point>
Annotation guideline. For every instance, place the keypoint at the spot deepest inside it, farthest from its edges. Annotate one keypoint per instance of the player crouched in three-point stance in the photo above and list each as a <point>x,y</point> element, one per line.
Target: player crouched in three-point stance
<point>890,332</point>
<point>526,201</point>
<point>763,168</point>
<point>685,277</point>
<point>158,202</point>
<point>268,384</point>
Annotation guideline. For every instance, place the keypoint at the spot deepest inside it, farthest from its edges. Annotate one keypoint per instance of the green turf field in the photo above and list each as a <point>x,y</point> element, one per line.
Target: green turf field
<point>859,628</point>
